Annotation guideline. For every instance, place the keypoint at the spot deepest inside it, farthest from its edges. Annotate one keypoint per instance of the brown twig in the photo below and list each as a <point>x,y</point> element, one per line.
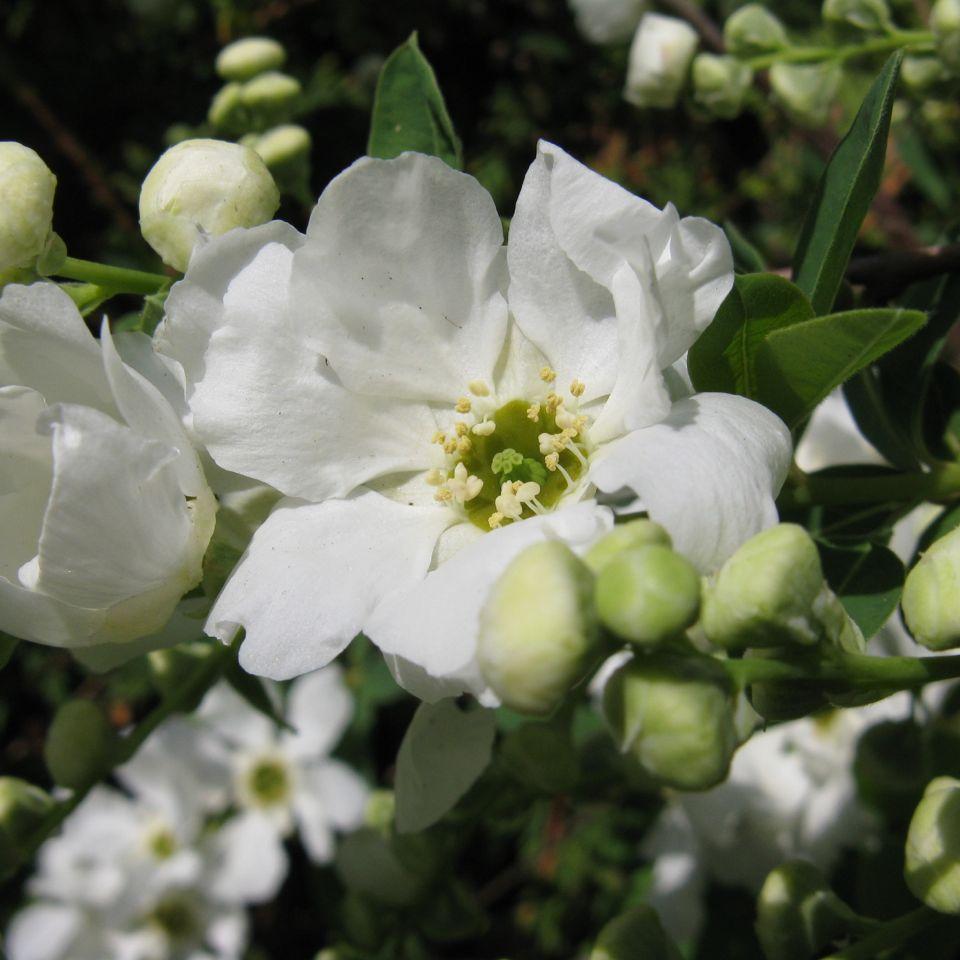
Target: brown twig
<point>899,268</point>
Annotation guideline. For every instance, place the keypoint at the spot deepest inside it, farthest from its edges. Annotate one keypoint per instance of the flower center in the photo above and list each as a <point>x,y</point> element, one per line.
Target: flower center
<point>177,918</point>
<point>161,843</point>
<point>515,460</point>
<point>268,783</point>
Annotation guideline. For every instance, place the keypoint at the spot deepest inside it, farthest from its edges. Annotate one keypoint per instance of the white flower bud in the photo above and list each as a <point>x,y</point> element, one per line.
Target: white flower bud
<point>538,628</point>
<point>932,867</point>
<point>720,84</point>
<point>226,107</point>
<point>931,595</point>
<point>245,58</point>
<point>806,90</point>
<point>635,934</point>
<point>26,205</point>
<point>203,187</point>
<point>752,31</point>
<point>648,595</point>
<point>945,24</point>
<point>921,73</point>
<point>625,536</point>
<point>608,21</point>
<point>283,145</point>
<point>872,15</point>
<point>660,57</point>
<point>79,745</point>
<point>270,91</point>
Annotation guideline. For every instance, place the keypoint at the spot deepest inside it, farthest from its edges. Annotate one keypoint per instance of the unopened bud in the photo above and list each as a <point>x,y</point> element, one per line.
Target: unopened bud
<point>870,15</point>
<point>765,593</point>
<point>931,595</point>
<point>674,715</point>
<point>79,745</point>
<point>921,73</point>
<point>283,145</point>
<point>635,935</point>
<point>720,84</point>
<point>227,109</point>
<point>608,21</point>
<point>805,90</point>
<point>22,810</point>
<point>932,867</point>
<point>26,205</point>
<point>248,57</point>
<point>752,31</point>
<point>203,187</point>
<point>270,91</point>
<point>380,810</point>
<point>648,595</point>
<point>945,24</point>
<point>635,533</point>
<point>538,628</point>
<point>660,57</point>
<point>798,914</point>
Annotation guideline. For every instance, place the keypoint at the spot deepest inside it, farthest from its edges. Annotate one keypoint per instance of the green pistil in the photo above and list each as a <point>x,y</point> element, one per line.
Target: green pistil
<point>512,452</point>
<point>163,845</point>
<point>269,783</point>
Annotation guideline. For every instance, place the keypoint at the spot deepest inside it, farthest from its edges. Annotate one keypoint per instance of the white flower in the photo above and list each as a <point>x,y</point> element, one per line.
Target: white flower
<point>660,58</point>
<point>104,507</point>
<point>607,21</point>
<point>357,369</point>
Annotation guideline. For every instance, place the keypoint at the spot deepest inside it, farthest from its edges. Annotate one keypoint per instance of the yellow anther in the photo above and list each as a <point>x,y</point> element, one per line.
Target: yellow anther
<point>516,485</point>
<point>461,428</point>
<point>548,374</point>
<point>478,388</point>
<point>443,495</point>
<point>464,446</point>
<point>553,402</point>
<point>577,388</point>
<point>435,477</point>
<point>463,405</point>
<point>533,411</point>
<point>495,520</point>
<point>439,437</point>
<point>551,460</point>
<point>463,485</point>
<point>569,433</point>
<point>450,446</point>
<point>484,429</point>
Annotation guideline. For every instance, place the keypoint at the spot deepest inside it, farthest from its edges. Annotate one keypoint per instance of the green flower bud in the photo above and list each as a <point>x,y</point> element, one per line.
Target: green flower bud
<point>674,715</point>
<point>920,73</point>
<point>931,595</point>
<point>648,594</point>
<point>635,935</point>
<point>720,84</point>
<point>226,108</point>
<point>80,745</point>
<point>203,187</point>
<point>26,205</point>
<point>538,628</point>
<point>22,809</point>
<point>245,58</point>
<point>932,868</point>
<point>635,533</point>
<point>283,145</point>
<point>660,57</point>
<point>945,24</point>
<point>270,91</point>
<point>871,15</point>
<point>752,31</point>
<point>380,811</point>
<point>805,90</point>
<point>798,914</point>
<point>764,594</point>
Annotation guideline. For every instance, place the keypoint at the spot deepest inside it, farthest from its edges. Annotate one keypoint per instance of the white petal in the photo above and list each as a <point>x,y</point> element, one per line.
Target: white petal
<point>399,280</point>
<point>708,472</point>
<point>44,931</point>
<point>319,708</point>
<point>251,863</point>
<point>414,679</point>
<point>833,437</point>
<point>314,572</point>
<point>44,344</point>
<point>223,710</point>
<point>607,21</point>
<point>330,797</point>
<point>434,623</point>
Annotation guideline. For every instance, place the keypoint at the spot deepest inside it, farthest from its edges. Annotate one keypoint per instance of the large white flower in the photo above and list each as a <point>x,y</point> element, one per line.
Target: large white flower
<point>424,431</point>
<point>103,504</point>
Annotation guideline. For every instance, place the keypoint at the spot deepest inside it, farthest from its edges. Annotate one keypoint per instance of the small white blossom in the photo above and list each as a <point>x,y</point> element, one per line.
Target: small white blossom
<point>607,21</point>
<point>660,58</point>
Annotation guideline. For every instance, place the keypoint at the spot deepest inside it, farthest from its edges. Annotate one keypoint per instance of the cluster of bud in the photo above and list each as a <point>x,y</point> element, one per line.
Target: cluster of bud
<point>929,598</point>
<point>932,864</point>
<point>26,198</point>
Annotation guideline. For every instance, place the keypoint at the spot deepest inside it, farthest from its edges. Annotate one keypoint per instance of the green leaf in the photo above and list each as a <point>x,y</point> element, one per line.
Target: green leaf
<point>799,365</point>
<point>7,645</point>
<point>845,193</point>
<point>408,110</point>
<point>868,579</point>
<point>722,359</point>
<point>746,257</point>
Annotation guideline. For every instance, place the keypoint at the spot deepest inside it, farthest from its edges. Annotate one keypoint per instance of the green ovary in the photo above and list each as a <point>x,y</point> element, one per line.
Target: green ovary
<point>515,431</point>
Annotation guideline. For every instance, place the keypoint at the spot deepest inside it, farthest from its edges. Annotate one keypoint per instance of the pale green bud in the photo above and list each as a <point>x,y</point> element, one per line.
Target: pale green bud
<point>270,91</point>
<point>945,24</point>
<point>660,57</point>
<point>283,145</point>
<point>752,31</point>
<point>538,628</point>
<point>635,935</point>
<point>931,595</point>
<point>245,58</point>
<point>674,715</point>
<point>635,533</point>
<point>226,107</point>
<point>80,745</point>
<point>380,810</point>
<point>26,205</point>
<point>921,73</point>
<point>764,594</point>
<point>203,187</point>
<point>871,15</point>
<point>805,90</point>
<point>22,810</point>
<point>932,867</point>
<point>798,914</point>
<point>648,594</point>
<point>720,84</point>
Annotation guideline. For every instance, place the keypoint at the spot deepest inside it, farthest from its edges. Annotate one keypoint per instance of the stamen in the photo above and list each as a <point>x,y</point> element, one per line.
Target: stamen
<point>533,411</point>
<point>443,495</point>
<point>450,446</point>
<point>552,461</point>
<point>495,520</point>
<point>553,402</point>
<point>464,486</point>
<point>575,450</point>
<point>464,446</point>
<point>463,405</point>
<point>435,477</point>
<point>461,428</point>
<point>439,437</point>
<point>478,388</point>
<point>577,388</point>
<point>484,429</point>
<point>548,374</point>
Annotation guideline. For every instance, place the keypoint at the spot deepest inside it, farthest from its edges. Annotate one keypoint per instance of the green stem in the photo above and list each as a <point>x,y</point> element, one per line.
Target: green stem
<point>900,38</point>
<point>941,483</point>
<point>891,934</point>
<point>117,279</point>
